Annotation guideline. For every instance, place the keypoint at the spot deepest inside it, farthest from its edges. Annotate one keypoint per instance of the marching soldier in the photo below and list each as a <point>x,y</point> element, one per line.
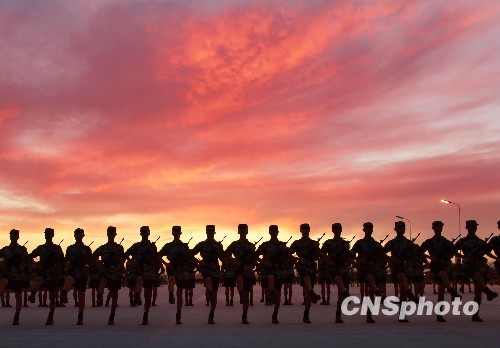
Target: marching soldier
<point>145,254</point>
<point>112,256</point>
<point>52,265</point>
<point>78,259</point>
<point>369,252</point>
<point>475,264</point>
<point>401,249</point>
<point>245,259</point>
<point>339,260</point>
<point>441,251</point>
<point>307,251</point>
<point>179,255</point>
<point>211,252</point>
<point>273,254</point>
<point>16,265</point>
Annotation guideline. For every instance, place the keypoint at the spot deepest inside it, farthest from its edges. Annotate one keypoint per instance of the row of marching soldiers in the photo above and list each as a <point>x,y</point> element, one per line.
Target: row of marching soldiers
<point>274,259</point>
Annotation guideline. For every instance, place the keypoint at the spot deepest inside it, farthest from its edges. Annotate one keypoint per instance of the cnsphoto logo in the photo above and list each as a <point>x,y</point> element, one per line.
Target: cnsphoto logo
<point>353,305</point>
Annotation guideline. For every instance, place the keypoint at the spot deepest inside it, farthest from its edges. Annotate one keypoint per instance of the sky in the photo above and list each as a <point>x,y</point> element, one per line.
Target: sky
<point>163,113</point>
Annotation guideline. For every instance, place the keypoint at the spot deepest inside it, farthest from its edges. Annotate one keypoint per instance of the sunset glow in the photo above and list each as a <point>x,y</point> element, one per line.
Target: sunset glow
<point>132,113</point>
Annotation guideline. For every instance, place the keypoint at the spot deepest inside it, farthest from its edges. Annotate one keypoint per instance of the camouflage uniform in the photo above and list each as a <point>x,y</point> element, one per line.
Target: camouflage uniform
<point>339,258</point>
<point>370,252</point>
<point>441,251</point>
<point>401,249</point>
<point>52,264</point>
<point>246,258</point>
<point>308,252</point>
<point>474,249</point>
<point>274,255</point>
<point>17,265</point>
<point>113,256</point>
<point>180,258</point>
<point>145,254</point>
<point>211,252</point>
<point>79,256</point>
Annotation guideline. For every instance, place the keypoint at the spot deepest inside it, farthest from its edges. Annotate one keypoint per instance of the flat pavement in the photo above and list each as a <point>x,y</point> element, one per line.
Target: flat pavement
<point>458,331</point>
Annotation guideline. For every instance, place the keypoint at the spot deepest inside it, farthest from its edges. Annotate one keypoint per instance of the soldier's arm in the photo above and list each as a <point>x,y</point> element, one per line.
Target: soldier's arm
<point>196,250</point>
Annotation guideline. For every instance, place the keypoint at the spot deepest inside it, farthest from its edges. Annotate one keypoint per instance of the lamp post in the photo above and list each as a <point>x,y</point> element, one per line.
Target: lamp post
<point>459,217</point>
<point>403,218</point>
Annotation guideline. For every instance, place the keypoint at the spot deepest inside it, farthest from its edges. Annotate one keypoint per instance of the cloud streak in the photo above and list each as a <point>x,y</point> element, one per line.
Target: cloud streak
<point>171,113</point>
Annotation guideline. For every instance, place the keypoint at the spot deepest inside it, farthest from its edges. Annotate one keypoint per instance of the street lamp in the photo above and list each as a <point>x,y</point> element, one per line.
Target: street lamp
<point>459,218</point>
<point>403,218</point>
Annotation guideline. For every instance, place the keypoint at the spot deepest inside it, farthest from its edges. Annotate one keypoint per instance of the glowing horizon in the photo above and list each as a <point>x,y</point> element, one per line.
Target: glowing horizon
<point>132,113</point>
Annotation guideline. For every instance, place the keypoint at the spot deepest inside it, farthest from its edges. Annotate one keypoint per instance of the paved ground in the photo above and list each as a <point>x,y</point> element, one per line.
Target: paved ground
<point>229,332</point>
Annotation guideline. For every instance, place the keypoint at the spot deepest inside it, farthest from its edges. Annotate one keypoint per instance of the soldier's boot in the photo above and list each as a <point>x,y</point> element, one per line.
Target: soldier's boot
<point>100,300</point>
<point>32,296</point>
<point>275,318</point>
<point>190,301</point>
<point>50,319</point>
<point>476,318</point>
<point>227,302</point>
<point>323,302</point>
<point>490,295</point>
<point>171,298</point>
<point>137,299</point>
<point>454,294</point>
<point>338,317</point>
<point>45,303</point>
<point>440,319</point>
<point>186,302</point>
<point>306,319</point>
<point>411,297</point>
<point>211,317</point>
<point>231,302</point>
<point>64,297</point>
<point>178,318</point>
<point>314,296</point>
<point>132,303</point>
<point>369,318</point>
<point>328,300</point>
<point>244,318</point>
<point>145,318</point>
<point>16,319</point>
<point>80,319</point>
<point>7,303</point>
<point>111,320</point>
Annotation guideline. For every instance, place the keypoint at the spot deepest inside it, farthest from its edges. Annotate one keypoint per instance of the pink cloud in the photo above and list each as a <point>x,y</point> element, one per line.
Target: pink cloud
<point>247,111</point>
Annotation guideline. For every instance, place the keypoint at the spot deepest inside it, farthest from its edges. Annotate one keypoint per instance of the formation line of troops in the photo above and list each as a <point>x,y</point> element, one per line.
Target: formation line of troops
<point>58,273</point>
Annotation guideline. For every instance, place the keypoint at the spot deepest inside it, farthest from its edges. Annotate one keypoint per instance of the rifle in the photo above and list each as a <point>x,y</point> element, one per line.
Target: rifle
<point>487,239</point>
<point>189,240</point>
<point>91,243</point>
<point>288,240</point>
<point>352,239</point>
<point>257,242</point>
<point>121,241</point>
<point>454,239</point>
<point>383,240</point>
<point>320,238</point>
<point>157,239</point>
<point>414,239</point>
<point>25,243</point>
<point>223,239</point>
<point>61,242</point>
